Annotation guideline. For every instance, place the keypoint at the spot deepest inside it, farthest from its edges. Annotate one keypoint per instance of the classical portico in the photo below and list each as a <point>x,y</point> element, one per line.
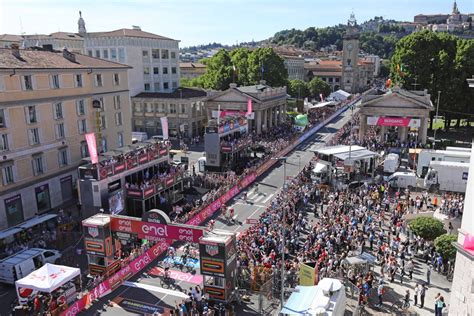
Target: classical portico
<point>398,108</point>
<point>268,104</point>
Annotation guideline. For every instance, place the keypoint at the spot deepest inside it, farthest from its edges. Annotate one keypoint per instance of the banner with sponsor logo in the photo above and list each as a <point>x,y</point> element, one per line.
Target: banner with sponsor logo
<point>164,127</point>
<point>92,147</point>
<point>393,121</point>
<point>154,231</point>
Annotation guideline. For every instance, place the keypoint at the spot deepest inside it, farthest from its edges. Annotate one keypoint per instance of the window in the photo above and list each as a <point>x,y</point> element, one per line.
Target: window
<point>120,139</point>
<point>60,131</point>
<point>7,175</point>
<point>155,53</point>
<point>173,70</point>
<point>89,52</point>
<point>149,107</point>
<point>337,79</point>
<point>173,108</point>
<point>33,135</point>
<point>62,156</point>
<point>3,122</point>
<point>31,114</point>
<point>118,118</point>
<point>81,107</point>
<point>58,111</point>
<point>97,53</point>
<point>84,150</point>
<point>27,83</point>
<point>173,55</point>
<point>164,54</point>
<point>146,70</point>
<point>38,166</point>
<point>105,54</point>
<point>103,122</point>
<point>183,108</point>
<point>82,124</point>
<point>156,70</point>
<point>4,142</point>
<point>113,53</point>
<point>156,85</point>
<point>145,54</point>
<point>121,54</point>
<point>116,79</point>
<point>78,81</point>
<point>98,80</point>
<point>166,85</point>
<point>165,70</point>
<point>349,62</point>
<point>138,107</point>
<point>117,102</point>
<point>147,87</point>
<point>175,84</point>
<point>55,81</point>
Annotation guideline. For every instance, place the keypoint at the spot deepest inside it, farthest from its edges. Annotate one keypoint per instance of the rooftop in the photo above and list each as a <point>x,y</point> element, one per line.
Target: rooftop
<point>11,38</point>
<point>56,35</point>
<point>42,59</point>
<point>180,93</point>
<point>127,33</point>
<point>191,65</point>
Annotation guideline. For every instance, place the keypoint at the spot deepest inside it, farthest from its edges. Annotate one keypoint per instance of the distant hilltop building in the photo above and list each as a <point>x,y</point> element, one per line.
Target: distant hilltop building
<point>456,21</point>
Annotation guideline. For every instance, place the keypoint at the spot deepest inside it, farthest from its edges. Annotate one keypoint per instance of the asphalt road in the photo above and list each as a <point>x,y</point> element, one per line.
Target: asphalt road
<point>146,288</point>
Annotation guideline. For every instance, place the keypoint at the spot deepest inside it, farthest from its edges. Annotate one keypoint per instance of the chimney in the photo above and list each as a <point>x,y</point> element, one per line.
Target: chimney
<point>233,85</point>
<point>68,55</point>
<point>15,50</point>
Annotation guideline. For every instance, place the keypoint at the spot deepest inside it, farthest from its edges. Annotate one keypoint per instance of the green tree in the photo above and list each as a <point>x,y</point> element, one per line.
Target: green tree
<point>264,63</point>
<point>317,86</point>
<point>298,89</point>
<point>438,62</point>
<point>444,246</point>
<point>218,74</point>
<point>427,227</point>
<point>239,59</point>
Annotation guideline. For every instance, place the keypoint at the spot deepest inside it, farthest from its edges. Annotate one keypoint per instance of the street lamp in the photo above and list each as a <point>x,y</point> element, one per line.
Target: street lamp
<point>282,294</point>
<point>435,118</point>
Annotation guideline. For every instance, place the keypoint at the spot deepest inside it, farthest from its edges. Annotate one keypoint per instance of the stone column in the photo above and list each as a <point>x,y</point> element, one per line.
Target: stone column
<point>258,121</point>
<point>422,130</point>
<point>264,121</point>
<point>362,126</point>
<point>402,133</point>
<point>276,114</point>
<point>270,118</point>
<point>383,130</point>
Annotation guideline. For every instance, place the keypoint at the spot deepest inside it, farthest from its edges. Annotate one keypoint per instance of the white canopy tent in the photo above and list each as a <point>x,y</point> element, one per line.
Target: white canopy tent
<point>48,278</point>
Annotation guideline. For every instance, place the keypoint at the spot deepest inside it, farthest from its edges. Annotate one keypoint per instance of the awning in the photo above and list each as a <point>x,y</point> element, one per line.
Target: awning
<point>48,278</point>
<point>300,302</point>
<point>9,232</point>
<point>36,220</point>
<point>361,259</point>
<point>355,155</point>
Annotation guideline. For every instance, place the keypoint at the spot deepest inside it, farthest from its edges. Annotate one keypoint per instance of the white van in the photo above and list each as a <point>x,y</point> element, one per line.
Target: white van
<point>22,263</point>
<point>320,173</point>
<point>391,163</point>
<point>402,180</point>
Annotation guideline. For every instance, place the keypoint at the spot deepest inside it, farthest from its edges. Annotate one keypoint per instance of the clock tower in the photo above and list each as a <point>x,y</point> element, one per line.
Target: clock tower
<point>350,57</point>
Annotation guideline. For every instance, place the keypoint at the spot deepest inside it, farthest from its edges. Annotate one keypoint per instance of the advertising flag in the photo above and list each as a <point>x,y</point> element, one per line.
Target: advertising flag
<point>92,147</point>
<point>321,96</point>
<point>249,106</point>
<point>164,127</point>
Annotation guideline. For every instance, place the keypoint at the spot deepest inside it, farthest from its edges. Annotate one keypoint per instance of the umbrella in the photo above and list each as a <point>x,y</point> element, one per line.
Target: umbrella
<point>330,285</point>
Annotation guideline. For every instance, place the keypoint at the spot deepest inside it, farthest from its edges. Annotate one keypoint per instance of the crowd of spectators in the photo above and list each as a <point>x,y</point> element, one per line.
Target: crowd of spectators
<point>164,171</point>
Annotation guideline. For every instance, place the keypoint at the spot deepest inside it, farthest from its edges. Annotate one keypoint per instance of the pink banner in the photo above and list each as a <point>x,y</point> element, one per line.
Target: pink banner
<point>92,146</point>
<point>154,231</point>
<point>164,127</point>
<point>178,275</point>
<point>249,106</point>
<point>393,121</point>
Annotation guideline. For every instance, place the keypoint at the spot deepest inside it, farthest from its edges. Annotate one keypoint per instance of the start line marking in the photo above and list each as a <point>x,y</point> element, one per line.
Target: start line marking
<point>155,289</point>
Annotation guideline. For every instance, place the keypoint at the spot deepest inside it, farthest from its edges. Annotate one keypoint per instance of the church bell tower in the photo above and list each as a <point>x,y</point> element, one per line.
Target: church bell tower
<point>350,57</point>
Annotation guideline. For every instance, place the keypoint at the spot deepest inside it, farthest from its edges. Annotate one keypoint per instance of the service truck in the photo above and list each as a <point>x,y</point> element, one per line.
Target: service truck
<point>447,176</point>
<point>320,173</point>
<point>22,263</point>
<point>402,180</point>
<point>426,156</point>
<point>391,163</point>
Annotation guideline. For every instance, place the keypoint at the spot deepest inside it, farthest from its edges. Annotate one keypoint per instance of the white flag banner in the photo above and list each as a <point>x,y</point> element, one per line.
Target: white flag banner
<point>164,127</point>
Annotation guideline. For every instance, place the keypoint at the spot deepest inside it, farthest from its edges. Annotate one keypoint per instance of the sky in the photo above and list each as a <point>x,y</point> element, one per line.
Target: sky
<point>196,22</point>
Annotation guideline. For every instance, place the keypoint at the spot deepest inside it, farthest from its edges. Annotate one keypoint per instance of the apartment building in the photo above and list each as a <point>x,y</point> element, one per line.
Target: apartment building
<point>46,107</point>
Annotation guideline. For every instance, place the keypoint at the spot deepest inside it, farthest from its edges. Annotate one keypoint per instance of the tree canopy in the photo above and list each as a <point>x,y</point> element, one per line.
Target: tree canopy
<point>298,89</point>
<point>250,66</point>
<point>317,86</point>
<point>427,227</point>
<point>437,62</point>
<point>444,246</point>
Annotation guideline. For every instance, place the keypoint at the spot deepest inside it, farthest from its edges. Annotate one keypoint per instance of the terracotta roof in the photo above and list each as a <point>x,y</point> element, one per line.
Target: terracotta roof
<point>56,35</point>
<point>325,65</point>
<point>10,38</point>
<point>127,33</point>
<point>184,93</point>
<point>328,73</point>
<point>39,59</point>
<point>191,65</point>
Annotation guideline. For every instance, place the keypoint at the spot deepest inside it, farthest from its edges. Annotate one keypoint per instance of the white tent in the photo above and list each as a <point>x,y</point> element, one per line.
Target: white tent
<point>339,95</point>
<point>48,278</point>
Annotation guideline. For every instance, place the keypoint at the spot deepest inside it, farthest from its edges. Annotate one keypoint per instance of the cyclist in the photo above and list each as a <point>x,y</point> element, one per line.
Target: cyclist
<point>171,251</point>
<point>211,224</point>
<point>224,211</point>
<point>406,299</point>
<point>167,274</point>
<point>231,211</point>
<point>245,196</point>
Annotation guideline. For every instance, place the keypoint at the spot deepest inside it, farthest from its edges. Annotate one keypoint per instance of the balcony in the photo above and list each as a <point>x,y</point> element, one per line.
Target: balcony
<point>156,187</point>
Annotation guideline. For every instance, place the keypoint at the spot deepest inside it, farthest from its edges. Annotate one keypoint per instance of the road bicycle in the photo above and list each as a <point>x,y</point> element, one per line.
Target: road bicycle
<point>402,305</point>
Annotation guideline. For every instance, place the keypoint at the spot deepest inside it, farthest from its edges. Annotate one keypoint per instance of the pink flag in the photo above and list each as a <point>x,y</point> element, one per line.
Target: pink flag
<point>249,106</point>
<point>164,127</point>
<point>92,146</point>
<point>321,96</point>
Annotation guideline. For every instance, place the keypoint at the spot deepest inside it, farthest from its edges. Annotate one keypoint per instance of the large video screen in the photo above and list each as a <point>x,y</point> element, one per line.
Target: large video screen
<point>116,202</point>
